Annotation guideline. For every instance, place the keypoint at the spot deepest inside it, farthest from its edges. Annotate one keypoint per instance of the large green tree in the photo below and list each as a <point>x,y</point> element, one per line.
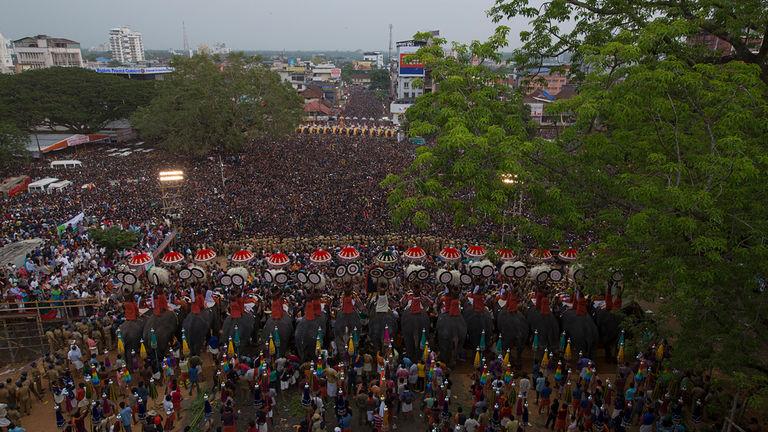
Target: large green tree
<point>205,106</point>
<point>79,100</point>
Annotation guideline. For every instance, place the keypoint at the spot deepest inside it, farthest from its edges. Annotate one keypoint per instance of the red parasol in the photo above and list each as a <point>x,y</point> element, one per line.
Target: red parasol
<point>475,251</point>
<point>570,255</point>
<point>450,253</point>
<point>415,253</point>
<point>140,259</point>
<point>242,256</point>
<point>505,254</point>
<point>278,259</point>
<point>541,254</point>
<point>172,257</point>
<point>320,256</point>
<point>205,254</point>
<point>349,253</point>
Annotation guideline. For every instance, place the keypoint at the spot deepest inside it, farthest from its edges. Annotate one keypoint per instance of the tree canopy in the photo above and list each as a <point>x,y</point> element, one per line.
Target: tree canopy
<point>206,106</point>
<point>79,100</point>
<point>660,176</point>
<point>113,239</point>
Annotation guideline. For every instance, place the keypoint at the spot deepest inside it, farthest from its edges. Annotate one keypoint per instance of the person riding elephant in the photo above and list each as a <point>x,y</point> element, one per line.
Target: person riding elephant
<point>240,325</point>
<point>311,326</point>
<point>511,322</point>
<point>132,329</point>
<point>414,320</point>
<point>451,327</point>
<point>347,320</point>
<point>541,319</point>
<point>382,324</point>
<point>200,323</point>
<point>608,321</point>
<point>160,328</point>
<point>580,327</point>
<point>478,318</point>
<point>279,325</point>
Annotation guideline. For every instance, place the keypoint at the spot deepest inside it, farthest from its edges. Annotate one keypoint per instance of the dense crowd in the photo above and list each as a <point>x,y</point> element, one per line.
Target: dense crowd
<point>363,104</point>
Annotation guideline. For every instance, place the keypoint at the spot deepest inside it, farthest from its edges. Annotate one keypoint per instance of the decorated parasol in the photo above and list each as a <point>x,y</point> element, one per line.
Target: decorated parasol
<point>415,253</point>
<point>349,253</point>
<point>569,255</point>
<point>140,259</point>
<point>386,258</point>
<point>205,254</point>
<point>242,256</point>
<point>541,254</point>
<point>475,251</point>
<point>278,259</point>
<point>450,253</point>
<point>320,256</point>
<point>172,257</point>
<point>505,254</point>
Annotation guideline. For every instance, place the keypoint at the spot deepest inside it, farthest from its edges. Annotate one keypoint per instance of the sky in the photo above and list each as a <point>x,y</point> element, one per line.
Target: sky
<point>253,24</point>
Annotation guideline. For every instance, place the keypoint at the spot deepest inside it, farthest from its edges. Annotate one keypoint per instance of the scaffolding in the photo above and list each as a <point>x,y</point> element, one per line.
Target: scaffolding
<point>23,325</point>
<point>170,192</point>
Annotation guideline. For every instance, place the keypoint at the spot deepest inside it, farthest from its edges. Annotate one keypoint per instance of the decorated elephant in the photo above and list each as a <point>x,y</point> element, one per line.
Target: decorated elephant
<point>311,327</point>
<point>479,321</point>
<point>131,330</point>
<point>580,328</point>
<point>200,323</point>
<point>511,323</point>
<point>279,325</point>
<point>347,320</point>
<point>240,325</point>
<point>451,327</point>
<point>160,328</point>
<point>414,321</point>
<point>543,323</point>
<point>382,325</point>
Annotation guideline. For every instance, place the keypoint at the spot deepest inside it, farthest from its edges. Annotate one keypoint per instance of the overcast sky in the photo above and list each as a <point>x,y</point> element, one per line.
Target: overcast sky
<point>252,24</point>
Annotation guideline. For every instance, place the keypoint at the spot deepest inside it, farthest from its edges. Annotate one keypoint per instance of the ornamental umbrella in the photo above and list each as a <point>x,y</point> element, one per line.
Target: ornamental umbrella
<point>140,259</point>
<point>450,253</point>
<point>505,254</point>
<point>349,253</point>
<point>320,256</point>
<point>415,253</point>
<point>242,256</point>
<point>172,257</point>
<point>386,258</point>
<point>205,254</point>
<point>541,254</point>
<point>475,251</point>
<point>278,259</point>
<point>569,255</point>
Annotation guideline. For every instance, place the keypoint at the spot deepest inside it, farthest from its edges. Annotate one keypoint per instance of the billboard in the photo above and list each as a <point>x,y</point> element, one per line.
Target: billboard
<point>412,67</point>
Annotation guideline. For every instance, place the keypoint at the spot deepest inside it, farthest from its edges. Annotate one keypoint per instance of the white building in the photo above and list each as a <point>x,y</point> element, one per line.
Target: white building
<point>6,62</point>
<point>221,48</point>
<point>325,72</point>
<point>375,57</point>
<point>126,45</point>
<point>42,51</point>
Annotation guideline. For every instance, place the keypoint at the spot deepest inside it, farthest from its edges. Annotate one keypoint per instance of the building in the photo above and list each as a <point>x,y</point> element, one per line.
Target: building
<point>6,61</point>
<point>375,57</point>
<point>552,81</point>
<point>408,70</point>
<point>549,124</point>
<point>126,45</point>
<point>221,48</point>
<point>296,76</point>
<point>360,77</point>
<point>137,73</point>
<point>325,72</point>
<point>43,51</point>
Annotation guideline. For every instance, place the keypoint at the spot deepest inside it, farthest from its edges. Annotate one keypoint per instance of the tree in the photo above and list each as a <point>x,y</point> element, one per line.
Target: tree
<point>380,79</point>
<point>476,123</point>
<point>114,239</point>
<point>661,28</point>
<point>77,99</point>
<point>13,142</point>
<point>204,106</point>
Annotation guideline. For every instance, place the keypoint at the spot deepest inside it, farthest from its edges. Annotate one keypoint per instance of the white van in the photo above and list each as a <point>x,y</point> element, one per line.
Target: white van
<point>41,185</point>
<point>59,186</point>
<point>66,164</point>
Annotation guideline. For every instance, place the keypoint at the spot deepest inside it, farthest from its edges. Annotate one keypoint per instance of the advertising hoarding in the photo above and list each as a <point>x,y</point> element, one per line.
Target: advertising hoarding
<point>410,67</point>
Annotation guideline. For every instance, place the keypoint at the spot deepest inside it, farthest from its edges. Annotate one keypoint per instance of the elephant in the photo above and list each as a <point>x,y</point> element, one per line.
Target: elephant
<point>347,319</point>
<point>131,331</point>
<point>479,322</point>
<point>451,328</point>
<point>244,340</point>
<point>383,319</point>
<point>279,322</point>
<point>311,326</point>
<point>165,324</point>
<point>199,324</point>
<point>543,323</point>
<point>414,322</point>
<point>581,329</point>
<point>512,326</point>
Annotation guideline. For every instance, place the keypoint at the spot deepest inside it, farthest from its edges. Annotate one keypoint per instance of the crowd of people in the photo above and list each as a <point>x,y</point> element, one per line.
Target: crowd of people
<point>304,186</point>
